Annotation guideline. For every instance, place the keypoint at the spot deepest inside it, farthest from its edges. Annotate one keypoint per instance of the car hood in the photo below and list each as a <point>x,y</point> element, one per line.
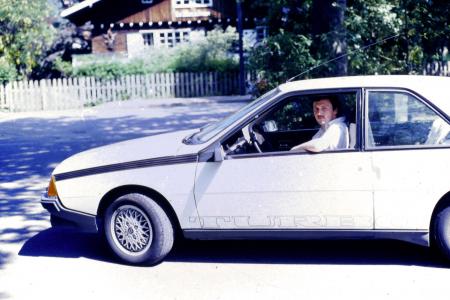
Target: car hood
<point>161,145</point>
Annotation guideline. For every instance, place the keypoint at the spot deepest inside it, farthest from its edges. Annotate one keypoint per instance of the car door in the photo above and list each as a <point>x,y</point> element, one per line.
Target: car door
<point>285,190</point>
<point>409,141</point>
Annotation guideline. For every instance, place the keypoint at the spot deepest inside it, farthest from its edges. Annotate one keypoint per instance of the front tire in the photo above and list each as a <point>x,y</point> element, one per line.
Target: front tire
<point>138,230</point>
<point>442,232</point>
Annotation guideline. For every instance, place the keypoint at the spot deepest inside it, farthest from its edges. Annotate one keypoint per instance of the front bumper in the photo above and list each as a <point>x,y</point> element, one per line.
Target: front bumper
<point>63,216</point>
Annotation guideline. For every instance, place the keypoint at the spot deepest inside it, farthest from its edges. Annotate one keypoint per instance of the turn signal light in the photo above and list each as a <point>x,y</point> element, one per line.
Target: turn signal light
<point>51,191</point>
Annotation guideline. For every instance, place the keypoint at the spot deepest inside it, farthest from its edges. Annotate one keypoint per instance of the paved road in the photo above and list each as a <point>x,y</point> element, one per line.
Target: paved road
<point>37,262</point>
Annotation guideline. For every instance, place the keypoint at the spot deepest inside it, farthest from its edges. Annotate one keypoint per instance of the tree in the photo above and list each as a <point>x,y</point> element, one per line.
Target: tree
<point>368,22</point>
<point>426,35</point>
<point>281,57</point>
<point>332,29</point>
<point>329,34</point>
<point>287,50</point>
<point>25,33</point>
<point>7,71</point>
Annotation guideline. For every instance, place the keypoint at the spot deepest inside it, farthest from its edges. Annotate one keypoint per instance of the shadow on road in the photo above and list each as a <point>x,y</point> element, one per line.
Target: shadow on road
<point>69,244</point>
<point>3,258</point>
<point>66,243</point>
<point>31,147</point>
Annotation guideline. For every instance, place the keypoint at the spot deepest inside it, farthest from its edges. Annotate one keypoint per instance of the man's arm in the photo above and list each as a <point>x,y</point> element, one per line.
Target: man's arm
<point>328,141</point>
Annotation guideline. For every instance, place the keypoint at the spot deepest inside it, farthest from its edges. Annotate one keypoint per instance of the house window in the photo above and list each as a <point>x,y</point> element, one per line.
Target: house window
<point>173,38</point>
<point>261,33</point>
<point>193,3</point>
<point>148,39</point>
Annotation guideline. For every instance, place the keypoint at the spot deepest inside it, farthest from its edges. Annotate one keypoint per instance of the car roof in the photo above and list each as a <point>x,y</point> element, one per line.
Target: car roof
<point>434,88</point>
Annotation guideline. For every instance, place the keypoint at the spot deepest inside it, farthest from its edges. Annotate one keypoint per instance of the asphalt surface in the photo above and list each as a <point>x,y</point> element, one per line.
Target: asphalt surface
<point>38,262</point>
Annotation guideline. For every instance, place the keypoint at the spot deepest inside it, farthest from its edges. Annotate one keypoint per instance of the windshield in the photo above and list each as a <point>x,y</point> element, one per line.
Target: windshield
<point>211,130</point>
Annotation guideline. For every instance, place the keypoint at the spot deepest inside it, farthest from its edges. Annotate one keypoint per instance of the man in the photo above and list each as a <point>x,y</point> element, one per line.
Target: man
<point>333,132</point>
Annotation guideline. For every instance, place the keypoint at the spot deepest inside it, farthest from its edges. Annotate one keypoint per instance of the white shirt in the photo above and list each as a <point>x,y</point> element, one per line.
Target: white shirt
<point>332,136</point>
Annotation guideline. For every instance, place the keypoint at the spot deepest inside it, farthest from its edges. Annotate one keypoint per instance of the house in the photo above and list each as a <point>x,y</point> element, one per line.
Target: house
<point>130,27</point>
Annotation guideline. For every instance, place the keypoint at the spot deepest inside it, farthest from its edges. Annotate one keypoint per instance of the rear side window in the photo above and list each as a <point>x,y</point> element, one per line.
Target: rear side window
<point>396,118</point>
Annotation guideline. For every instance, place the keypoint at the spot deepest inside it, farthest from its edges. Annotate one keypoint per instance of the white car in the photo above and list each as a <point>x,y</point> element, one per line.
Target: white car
<point>239,179</point>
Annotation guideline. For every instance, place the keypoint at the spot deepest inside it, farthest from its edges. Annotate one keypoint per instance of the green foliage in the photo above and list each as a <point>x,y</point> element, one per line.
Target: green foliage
<point>421,29</point>
<point>368,22</point>
<point>289,15</point>
<point>63,67</point>
<point>427,32</point>
<point>279,58</point>
<point>210,54</point>
<point>7,71</point>
<point>24,32</point>
<point>108,70</point>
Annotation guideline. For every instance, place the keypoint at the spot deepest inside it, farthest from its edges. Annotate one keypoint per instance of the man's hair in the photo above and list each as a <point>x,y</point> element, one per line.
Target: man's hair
<point>333,100</point>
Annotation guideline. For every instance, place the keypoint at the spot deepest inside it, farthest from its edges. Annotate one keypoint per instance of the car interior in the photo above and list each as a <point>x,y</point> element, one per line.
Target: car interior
<point>288,123</point>
<point>399,119</point>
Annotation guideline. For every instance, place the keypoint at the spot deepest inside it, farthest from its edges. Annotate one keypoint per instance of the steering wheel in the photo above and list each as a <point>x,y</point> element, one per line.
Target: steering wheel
<point>250,137</point>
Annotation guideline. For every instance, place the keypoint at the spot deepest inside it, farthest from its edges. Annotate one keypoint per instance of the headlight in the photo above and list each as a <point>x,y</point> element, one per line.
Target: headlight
<point>51,191</point>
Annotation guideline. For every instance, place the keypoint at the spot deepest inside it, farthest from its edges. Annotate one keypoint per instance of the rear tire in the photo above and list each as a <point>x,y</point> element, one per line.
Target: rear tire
<point>138,230</point>
<point>442,232</point>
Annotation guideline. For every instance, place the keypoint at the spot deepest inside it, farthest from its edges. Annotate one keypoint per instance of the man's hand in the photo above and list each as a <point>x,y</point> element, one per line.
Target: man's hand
<point>298,148</point>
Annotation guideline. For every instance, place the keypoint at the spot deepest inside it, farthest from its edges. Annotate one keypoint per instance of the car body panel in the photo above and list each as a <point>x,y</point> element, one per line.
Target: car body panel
<point>407,185</point>
<point>287,191</point>
<point>160,145</point>
<point>84,193</point>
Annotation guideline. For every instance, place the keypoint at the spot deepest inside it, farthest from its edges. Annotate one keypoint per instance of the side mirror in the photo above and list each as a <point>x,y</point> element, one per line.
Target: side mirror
<point>219,154</point>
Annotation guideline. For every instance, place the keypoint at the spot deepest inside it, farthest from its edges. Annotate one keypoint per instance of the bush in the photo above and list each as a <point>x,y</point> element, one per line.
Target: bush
<point>106,70</point>
<point>7,71</point>
<point>214,53</point>
<point>63,67</point>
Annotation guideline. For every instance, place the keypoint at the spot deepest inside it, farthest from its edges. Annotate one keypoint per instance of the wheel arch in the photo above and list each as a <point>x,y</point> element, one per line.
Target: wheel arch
<point>115,193</point>
<point>440,205</point>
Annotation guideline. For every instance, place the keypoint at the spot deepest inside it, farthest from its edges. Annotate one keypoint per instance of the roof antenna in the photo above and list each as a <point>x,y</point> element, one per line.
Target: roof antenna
<point>340,56</point>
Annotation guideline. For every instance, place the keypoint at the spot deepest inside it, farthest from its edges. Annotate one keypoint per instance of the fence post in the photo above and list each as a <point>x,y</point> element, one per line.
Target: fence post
<point>43,94</point>
<point>191,84</point>
<point>181,85</point>
<point>14,95</point>
<point>196,84</point>
<point>20,95</point>
<point>146,85</point>
<point>163,84</point>
<point>8,96</point>
<point>158,85</point>
<point>168,80</point>
<point>2,96</point>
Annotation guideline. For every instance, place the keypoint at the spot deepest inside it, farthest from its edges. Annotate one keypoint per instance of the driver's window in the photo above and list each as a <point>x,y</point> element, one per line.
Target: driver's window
<point>289,123</point>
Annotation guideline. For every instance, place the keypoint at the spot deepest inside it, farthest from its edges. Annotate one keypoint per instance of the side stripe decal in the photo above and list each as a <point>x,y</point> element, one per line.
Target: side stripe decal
<point>145,163</point>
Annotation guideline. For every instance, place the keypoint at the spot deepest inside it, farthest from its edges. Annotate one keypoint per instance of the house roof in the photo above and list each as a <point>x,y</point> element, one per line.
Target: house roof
<point>77,7</point>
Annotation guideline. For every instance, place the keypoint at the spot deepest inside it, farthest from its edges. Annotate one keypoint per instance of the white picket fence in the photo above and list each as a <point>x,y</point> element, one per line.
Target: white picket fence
<point>70,93</point>
<point>437,68</point>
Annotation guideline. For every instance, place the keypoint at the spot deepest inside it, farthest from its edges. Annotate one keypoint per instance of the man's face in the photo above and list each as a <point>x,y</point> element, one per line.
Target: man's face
<point>323,111</point>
